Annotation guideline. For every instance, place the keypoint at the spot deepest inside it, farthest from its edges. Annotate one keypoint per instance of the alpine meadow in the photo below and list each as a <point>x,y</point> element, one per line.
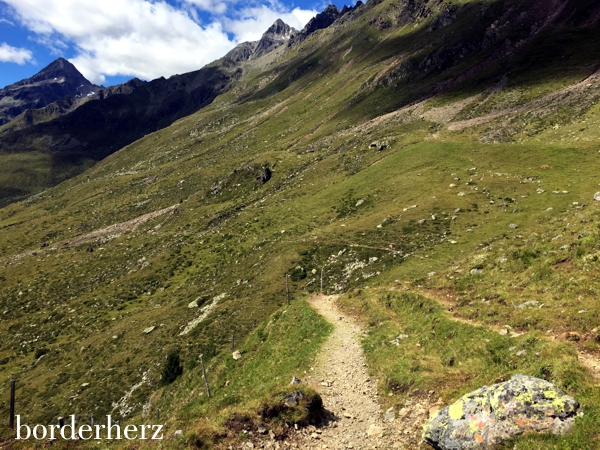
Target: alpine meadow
<point>394,207</point>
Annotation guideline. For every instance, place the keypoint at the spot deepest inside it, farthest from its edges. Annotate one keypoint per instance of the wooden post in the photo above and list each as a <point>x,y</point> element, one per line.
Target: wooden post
<point>157,414</point>
<point>232,344</point>
<point>287,289</point>
<point>321,280</point>
<point>12,404</point>
<point>92,420</point>
<point>204,375</point>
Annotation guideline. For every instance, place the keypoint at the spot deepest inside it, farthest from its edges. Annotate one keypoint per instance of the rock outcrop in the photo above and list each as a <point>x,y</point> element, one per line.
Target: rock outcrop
<point>493,414</point>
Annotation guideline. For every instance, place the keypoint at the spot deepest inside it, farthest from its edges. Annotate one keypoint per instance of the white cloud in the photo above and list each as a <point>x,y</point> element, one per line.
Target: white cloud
<point>213,6</point>
<point>144,38</point>
<point>15,55</point>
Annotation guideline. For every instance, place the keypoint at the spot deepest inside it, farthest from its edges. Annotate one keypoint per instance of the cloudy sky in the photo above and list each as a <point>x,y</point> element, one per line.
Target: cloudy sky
<point>111,41</point>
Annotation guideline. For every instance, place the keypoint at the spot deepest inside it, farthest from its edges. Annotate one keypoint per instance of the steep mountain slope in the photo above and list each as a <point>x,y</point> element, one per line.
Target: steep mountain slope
<point>42,147</point>
<point>407,146</point>
<point>58,80</point>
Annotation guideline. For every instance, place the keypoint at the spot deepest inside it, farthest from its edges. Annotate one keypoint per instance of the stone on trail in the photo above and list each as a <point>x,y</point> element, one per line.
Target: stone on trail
<point>236,355</point>
<point>390,415</point>
<point>374,430</point>
<point>493,414</point>
<point>597,196</point>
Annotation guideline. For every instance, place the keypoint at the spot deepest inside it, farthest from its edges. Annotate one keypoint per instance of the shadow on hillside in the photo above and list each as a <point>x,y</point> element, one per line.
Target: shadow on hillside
<point>465,49</point>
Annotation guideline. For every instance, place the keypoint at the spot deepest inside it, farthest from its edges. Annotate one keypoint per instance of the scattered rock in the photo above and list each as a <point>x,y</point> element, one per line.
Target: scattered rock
<point>476,271</point>
<point>147,330</point>
<point>261,429</point>
<point>500,412</point>
<point>374,430</point>
<point>296,380</point>
<point>193,304</point>
<point>178,433</point>
<point>529,304</point>
<point>292,399</point>
<point>573,336</point>
<point>236,355</point>
<point>379,145</point>
<point>390,415</point>
<point>513,226</point>
<point>597,196</point>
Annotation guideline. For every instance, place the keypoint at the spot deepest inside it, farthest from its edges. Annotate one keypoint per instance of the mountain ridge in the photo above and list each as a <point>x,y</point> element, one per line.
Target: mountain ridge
<point>79,132</point>
<point>54,82</point>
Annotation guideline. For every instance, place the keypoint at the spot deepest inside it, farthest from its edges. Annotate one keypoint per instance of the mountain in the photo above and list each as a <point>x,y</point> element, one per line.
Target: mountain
<point>68,136</point>
<point>277,35</point>
<point>432,163</point>
<point>58,80</point>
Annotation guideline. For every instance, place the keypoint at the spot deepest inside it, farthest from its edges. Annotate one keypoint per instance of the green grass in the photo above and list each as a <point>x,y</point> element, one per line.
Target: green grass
<point>335,203</point>
<point>453,358</point>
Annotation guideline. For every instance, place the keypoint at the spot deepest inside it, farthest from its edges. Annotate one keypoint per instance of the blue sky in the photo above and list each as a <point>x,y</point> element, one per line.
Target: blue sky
<point>111,41</point>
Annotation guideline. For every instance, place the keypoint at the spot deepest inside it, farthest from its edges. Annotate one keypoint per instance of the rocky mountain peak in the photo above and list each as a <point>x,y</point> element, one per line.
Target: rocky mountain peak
<point>57,80</point>
<point>279,28</point>
<point>57,69</point>
<point>277,34</point>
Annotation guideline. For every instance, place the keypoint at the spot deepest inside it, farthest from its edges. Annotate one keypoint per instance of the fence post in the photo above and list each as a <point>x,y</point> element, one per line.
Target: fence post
<point>12,404</point>
<point>287,289</point>
<point>204,375</point>
<point>232,344</point>
<point>321,280</point>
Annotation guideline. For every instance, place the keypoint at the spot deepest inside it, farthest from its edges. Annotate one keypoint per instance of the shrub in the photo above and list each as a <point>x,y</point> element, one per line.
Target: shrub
<point>172,368</point>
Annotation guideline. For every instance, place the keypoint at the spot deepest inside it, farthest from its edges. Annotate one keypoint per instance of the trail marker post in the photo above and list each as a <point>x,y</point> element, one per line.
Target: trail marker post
<point>321,280</point>
<point>287,289</point>
<point>204,375</point>
<point>12,404</point>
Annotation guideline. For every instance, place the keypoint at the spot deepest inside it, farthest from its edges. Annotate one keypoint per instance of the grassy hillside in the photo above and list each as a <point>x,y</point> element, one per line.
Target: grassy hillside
<point>347,155</point>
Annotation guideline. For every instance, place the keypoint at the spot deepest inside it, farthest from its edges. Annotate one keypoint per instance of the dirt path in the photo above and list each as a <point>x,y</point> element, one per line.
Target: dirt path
<point>341,377</point>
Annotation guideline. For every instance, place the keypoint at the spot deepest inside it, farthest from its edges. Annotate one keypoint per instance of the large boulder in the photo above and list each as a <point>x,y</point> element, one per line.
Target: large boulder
<point>499,412</point>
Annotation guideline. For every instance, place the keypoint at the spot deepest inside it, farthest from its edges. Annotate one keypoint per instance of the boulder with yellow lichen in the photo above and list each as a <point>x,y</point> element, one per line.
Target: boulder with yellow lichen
<point>493,414</point>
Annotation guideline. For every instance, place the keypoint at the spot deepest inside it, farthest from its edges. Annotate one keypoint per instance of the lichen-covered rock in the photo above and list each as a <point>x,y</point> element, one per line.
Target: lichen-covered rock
<point>499,412</point>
